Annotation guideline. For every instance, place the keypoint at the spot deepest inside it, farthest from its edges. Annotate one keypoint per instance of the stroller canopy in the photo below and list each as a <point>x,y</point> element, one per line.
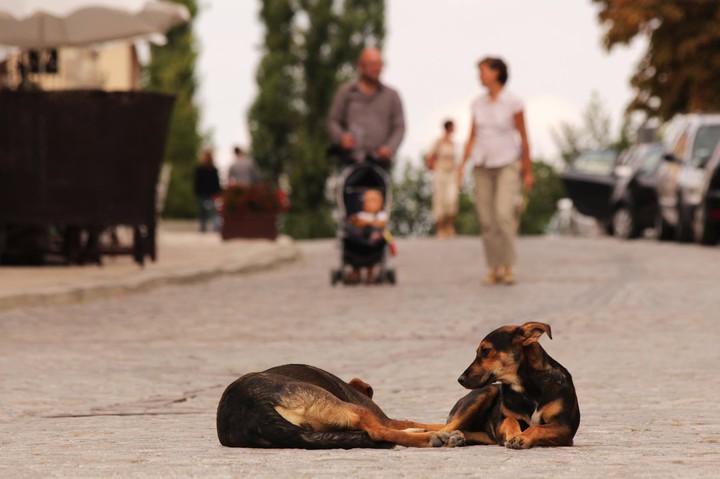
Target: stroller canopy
<point>355,180</point>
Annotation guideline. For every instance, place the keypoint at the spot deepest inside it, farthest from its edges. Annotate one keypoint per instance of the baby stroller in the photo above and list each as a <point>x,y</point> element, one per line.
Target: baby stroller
<point>351,185</point>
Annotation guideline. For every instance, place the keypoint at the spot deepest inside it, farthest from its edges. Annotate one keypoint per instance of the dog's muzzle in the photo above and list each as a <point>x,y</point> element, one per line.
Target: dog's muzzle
<point>473,382</point>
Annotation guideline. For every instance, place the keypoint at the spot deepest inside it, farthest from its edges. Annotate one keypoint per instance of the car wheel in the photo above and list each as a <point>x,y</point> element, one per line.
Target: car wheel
<point>663,230</point>
<point>684,232</point>
<point>624,225</point>
<point>606,226</point>
<point>706,232</point>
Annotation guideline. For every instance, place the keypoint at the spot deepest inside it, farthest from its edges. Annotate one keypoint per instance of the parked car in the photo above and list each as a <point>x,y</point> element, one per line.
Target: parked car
<point>706,220</point>
<point>617,190</point>
<point>589,182</point>
<point>688,183</point>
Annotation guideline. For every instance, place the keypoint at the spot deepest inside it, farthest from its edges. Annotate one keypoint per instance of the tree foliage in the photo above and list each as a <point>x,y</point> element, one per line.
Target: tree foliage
<point>541,203</point>
<point>310,47</point>
<point>172,70</point>
<point>680,71</point>
<point>412,196</point>
<point>592,134</point>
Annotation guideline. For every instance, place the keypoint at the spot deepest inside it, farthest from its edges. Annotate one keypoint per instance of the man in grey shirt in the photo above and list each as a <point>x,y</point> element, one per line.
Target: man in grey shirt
<point>243,171</point>
<point>366,117</point>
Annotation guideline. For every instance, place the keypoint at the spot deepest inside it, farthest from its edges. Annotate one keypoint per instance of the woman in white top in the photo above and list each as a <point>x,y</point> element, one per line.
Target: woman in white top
<point>498,148</point>
<point>445,189</point>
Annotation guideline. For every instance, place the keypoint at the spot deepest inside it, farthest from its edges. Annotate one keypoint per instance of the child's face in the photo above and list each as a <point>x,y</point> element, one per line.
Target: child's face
<point>372,201</point>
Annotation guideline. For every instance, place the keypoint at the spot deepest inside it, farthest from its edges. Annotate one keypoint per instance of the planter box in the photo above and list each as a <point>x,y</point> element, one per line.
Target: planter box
<point>249,225</point>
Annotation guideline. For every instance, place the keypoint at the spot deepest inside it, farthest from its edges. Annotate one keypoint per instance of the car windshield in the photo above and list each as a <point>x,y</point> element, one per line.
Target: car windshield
<point>705,143</point>
<point>651,158</point>
<point>595,162</point>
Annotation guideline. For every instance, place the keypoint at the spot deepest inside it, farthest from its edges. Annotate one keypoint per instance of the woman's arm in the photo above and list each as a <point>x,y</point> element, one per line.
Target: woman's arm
<point>526,163</point>
<point>431,157</point>
<point>468,148</point>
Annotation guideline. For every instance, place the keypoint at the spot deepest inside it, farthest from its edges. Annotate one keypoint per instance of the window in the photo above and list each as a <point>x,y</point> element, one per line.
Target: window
<point>706,141</point>
<point>595,162</point>
<point>651,159</point>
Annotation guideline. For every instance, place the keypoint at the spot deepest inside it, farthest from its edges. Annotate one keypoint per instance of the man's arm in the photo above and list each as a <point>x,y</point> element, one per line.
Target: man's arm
<point>196,180</point>
<point>397,125</point>
<point>336,117</point>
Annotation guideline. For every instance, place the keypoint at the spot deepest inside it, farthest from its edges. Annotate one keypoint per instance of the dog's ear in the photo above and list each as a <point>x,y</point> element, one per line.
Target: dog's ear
<point>532,331</point>
<point>362,387</point>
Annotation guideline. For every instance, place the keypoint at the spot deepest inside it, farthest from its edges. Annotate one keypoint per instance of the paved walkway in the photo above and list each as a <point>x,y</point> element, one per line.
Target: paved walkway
<point>128,386</point>
<point>184,255</point>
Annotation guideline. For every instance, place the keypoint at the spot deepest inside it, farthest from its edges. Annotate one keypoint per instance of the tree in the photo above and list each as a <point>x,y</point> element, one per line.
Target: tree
<point>593,134</point>
<point>680,70</point>
<point>273,116</point>
<point>172,70</point>
<point>411,209</point>
<point>466,222</point>
<point>542,200</point>
<point>310,48</point>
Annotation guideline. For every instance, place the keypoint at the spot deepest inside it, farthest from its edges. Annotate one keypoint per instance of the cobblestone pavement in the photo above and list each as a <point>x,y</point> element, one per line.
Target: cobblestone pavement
<point>128,387</point>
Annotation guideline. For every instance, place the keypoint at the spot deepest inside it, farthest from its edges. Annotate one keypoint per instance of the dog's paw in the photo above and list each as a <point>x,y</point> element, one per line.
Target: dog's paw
<point>447,439</point>
<point>457,439</point>
<point>518,442</point>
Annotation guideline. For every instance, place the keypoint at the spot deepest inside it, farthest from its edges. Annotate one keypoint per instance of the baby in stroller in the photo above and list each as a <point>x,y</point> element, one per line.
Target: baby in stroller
<point>368,228</point>
<point>364,196</point>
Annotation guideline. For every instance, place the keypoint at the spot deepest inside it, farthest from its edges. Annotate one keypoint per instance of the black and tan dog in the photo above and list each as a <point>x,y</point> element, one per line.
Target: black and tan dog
<point>535,403</point>
<point>298,406</point>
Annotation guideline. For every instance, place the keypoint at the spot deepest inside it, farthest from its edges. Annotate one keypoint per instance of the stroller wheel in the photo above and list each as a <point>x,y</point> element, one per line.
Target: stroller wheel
<point>335,277</point>
<point>350,277</point>
<point>390,276</point>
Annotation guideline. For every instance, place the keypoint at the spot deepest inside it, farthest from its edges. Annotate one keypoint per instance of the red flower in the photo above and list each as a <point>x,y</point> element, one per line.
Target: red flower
<point>259,197</point>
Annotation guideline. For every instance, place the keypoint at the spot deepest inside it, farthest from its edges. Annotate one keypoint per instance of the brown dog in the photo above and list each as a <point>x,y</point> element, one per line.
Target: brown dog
<point>299,406</point>
<point>535,403</point>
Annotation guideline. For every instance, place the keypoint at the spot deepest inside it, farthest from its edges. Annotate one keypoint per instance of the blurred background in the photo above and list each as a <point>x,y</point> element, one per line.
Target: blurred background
<point>261,74</point>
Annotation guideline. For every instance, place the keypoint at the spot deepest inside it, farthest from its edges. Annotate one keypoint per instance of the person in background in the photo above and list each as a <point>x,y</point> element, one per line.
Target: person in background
<point>242,171</point>
<point>366,117</point>
<point>441,160</point>
<point>207,187</point>
<point>499,149</point>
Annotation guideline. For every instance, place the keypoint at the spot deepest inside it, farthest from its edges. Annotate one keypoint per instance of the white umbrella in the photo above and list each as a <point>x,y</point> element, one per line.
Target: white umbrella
<point>40,24</point>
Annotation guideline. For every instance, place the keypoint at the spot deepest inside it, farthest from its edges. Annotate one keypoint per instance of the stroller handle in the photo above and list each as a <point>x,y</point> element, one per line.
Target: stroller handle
<point>345,157</point>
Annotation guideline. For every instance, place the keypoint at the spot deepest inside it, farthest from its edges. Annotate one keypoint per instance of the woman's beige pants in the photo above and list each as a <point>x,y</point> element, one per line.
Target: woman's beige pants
<point>496,191</point>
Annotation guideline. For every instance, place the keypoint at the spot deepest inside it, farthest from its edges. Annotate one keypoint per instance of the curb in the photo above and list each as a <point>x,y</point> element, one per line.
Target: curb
<point>285,252</point>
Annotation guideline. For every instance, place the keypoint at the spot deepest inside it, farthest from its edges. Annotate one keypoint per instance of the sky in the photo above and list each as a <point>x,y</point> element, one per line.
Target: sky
<point>553,49</point>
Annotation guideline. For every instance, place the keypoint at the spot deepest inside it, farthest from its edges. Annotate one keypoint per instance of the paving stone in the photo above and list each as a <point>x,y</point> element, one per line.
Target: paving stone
<point>128,386</point>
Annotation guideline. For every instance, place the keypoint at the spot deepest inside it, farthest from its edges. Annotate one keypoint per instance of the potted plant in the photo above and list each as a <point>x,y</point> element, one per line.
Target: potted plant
<point>251,211</point>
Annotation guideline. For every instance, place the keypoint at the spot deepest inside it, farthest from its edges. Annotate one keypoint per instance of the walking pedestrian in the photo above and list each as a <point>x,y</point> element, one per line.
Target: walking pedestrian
<point>441,160</point>
<point>498,147</point>
<point>242,171</point>
<point>366,117</point>
<point>207,187</point>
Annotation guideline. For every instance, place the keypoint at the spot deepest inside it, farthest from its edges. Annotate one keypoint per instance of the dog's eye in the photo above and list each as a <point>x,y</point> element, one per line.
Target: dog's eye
<point>484,352</point>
